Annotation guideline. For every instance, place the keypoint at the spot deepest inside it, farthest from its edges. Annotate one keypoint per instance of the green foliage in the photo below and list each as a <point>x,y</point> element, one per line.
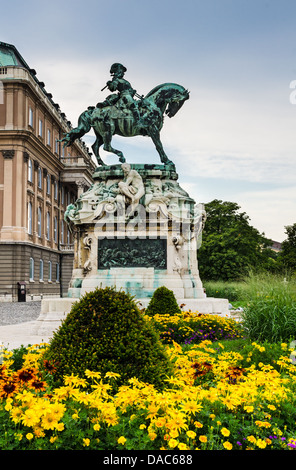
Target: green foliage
<point>287,255</point>
<point>233,291</point>
<point>163,302</point>
<point>270,315</point>
<point>230,245</point>
<point>17,357</point>
<point>106,332</point>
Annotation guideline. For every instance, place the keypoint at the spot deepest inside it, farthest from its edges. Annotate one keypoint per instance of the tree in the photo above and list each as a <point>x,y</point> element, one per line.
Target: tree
<point>287,255</point>
<point>230,245</point>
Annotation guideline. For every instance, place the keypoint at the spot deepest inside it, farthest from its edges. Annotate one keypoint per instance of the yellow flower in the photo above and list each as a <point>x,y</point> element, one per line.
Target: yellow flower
<point>142,426</point>
<point>111,375</point>
<point>174,433</point>
<point>29,436</point>
<point>191,434</point>
<point>49,421</point>
<point>173,443</point>
<point>75,416</point>
<point>86,442</point>
<point>227,445</point>
<point>197,424</point>
<point>225,432</point>
<point>53,439</point>
<point>252,439</point>
<point>60,427</point>
<point>97,427</point>
<point>249,408</point>
<point>16,414</point>
<point>152,436</point>
<point>203,438</point>
<point>121,440</point>
<point>90,374</point>
<point>160,422</point>
<point>261,444</point>
<point>182,446</point>
<point>30,418</point>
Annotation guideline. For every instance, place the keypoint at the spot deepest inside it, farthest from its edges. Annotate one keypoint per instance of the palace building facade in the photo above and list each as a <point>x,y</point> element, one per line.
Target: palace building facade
<point>38,180</point>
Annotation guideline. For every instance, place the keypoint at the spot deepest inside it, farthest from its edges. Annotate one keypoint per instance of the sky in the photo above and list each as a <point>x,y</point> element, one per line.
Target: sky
<point>235,138</point>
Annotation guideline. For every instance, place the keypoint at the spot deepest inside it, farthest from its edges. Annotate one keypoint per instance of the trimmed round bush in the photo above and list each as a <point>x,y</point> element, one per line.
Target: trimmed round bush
<point>106,332</point>
<point>163,302</point>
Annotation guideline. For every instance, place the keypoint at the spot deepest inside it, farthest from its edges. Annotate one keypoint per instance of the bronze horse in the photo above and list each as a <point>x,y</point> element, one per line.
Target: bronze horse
<point>110,120</point>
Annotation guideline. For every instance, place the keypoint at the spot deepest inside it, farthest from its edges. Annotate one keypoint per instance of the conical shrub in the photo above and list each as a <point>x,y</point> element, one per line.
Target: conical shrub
<point>106,332</point>
<point>163,302</point>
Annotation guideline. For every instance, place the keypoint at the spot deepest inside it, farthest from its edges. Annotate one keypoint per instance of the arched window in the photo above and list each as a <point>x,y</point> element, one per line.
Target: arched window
<point>39,178</point>
<point>39,221</point>
<point>31,269</point>
<point>62,232</point>
<point>48,184</point>
<point>55,229</point>
<point>48,226</point>
<point>30,171</point>
<point>57,272</point>
<point>49,271</point>
<point>30,222</point>
<point>41,270</point>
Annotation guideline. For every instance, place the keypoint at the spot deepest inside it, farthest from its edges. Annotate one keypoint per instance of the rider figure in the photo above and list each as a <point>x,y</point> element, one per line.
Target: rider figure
<point>126,92</point>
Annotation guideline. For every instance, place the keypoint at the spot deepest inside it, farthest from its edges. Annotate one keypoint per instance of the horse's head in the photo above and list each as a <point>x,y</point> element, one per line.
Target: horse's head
<point>176,101</point>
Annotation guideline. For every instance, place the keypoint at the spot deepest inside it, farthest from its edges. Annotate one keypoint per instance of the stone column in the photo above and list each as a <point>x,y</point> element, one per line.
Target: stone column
<point>7,194</point>
<point>80,187</point>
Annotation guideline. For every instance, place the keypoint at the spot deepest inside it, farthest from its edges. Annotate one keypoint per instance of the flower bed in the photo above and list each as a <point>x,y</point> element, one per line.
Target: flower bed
<point>192,328</point>
<point>214,400</point>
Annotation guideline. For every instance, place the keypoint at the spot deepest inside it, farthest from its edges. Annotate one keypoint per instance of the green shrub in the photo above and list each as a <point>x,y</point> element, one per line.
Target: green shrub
<point>163,302</point>
<point>106,332</point>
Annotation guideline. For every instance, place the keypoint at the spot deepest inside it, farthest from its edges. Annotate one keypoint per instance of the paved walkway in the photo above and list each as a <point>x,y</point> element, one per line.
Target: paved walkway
<point>24,324</point>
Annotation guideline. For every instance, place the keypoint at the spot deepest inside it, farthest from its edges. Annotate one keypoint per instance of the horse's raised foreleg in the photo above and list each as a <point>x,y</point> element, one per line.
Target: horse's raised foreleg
<point>153,132</point>
<point>107,136</point>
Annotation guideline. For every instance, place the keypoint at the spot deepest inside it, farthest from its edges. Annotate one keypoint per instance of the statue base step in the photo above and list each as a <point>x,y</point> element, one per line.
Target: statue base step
<point>207,305</point>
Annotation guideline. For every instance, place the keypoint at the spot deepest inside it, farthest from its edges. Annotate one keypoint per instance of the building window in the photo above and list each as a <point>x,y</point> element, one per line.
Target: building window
<point>56,190</point>
<point>31,269</point>
<point>49,271</point>
<point>31,117</point>
<point>62,232</point>
<point>55,229</point>
<point>48,137</point>
<point>48,226</point>
<point>39,221</point>
<point>30,171</point>
<point>56,149</point>
<point>48,184</point>
<point>68,237</point>
<point>40,128</point>
<point>30,224</point>
<point>57,272</point>
<point>63,195</point>
<point>39,178</point>
<point>41,270</point>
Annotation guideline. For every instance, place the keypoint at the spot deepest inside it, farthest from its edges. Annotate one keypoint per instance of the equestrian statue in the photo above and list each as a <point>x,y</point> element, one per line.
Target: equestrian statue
<point>128,114</point>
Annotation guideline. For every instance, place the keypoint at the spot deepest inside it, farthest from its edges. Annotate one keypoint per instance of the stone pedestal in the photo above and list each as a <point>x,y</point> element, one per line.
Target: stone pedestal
<point>136,229</point>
